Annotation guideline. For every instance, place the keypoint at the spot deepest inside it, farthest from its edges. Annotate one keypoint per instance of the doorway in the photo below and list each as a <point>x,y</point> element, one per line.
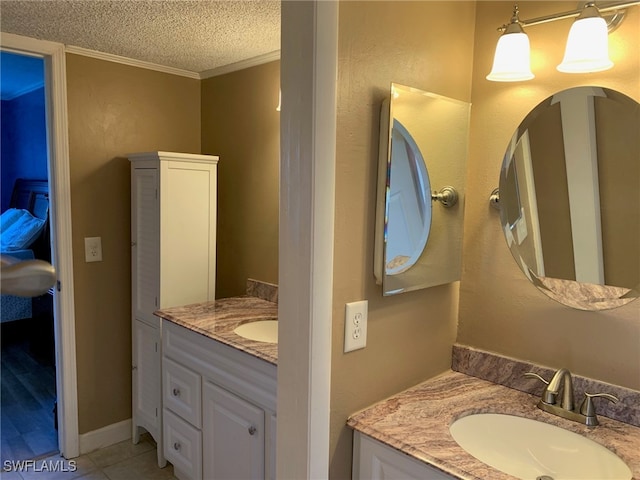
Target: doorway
<point>52,56</point>
<point>27,367</point>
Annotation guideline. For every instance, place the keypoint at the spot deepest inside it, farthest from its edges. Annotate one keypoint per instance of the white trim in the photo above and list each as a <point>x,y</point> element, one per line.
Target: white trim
<point>241,65</point>
<point>577,111</point>
<point>232,67</point>
<point>105,436</point>
<point>60,211</point>
<point>307,199</point>
<point>109,57</point>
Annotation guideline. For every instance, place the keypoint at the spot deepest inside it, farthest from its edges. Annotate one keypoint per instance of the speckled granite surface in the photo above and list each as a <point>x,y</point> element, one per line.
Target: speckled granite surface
<point>417,421</point>
<point>510,373</point>
<point>585,296</point>
<point>263,290</point>
<point>218,319</point>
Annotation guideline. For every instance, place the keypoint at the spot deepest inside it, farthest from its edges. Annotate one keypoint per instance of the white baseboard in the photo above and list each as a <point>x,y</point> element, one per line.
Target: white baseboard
<point>105,436</point>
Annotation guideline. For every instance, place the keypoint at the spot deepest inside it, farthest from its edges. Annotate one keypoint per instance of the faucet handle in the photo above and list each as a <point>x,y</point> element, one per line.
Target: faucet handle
<point>535,375</point>
<point>589,410</point>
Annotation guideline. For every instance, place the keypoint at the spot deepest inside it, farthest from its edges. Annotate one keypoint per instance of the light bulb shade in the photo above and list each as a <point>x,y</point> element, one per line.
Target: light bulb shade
<point>511,62</point>
<point>587,47</point>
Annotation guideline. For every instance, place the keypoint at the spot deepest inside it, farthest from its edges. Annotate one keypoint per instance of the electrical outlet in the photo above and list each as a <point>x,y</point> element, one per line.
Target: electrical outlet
<point>355,325</point>
<point>93,249</point>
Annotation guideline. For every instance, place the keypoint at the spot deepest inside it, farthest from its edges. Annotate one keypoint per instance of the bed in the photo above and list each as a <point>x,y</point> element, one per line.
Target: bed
<point>25,236</point>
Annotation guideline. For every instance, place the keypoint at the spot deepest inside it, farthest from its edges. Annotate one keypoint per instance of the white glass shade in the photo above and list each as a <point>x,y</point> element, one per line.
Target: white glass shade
<point>511,62</point>
<point>587,47</point>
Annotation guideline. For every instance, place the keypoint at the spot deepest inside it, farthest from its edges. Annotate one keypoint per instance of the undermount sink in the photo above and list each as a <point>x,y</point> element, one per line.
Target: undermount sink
<point>529,449</point>
<point>260,331</point>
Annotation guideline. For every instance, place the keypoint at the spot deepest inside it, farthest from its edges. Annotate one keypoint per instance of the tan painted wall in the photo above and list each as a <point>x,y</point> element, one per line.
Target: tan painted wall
<point>114,110</point>
<point>241,125</point>
<point>499,310</point>
<point>409,335</point>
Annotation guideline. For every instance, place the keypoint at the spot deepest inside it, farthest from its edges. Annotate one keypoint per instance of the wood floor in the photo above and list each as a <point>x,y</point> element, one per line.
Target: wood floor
<point>28,393</point>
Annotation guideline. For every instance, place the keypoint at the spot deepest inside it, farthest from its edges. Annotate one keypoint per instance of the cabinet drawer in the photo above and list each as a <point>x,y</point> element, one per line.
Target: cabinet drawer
<point>182,391</point>
<point>182,447</point>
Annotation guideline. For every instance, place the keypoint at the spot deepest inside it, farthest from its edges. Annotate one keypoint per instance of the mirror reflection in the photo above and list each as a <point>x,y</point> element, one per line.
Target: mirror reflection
<point>570,201</point>
<point>408,203</point>
<point>423,149</point>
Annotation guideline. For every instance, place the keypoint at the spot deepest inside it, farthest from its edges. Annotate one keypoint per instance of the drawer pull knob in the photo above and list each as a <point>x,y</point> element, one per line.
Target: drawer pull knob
<point>177,446</point>
<point>176,392</point>
<point>252,430</point>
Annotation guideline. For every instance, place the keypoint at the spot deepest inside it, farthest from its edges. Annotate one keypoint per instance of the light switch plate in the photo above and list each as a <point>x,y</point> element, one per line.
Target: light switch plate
<point>355,325</point>
<point>93,249</point>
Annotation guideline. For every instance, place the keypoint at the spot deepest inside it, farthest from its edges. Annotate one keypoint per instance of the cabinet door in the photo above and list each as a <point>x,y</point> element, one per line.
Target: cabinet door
<point>188,234</point>
<point>232,436</point>
<point>145,242</point>
<point>375,461</point>
<point>146,377</point>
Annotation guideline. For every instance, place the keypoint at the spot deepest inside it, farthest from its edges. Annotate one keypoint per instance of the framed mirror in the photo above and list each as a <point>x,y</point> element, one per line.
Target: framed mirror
<point>423,150</point>
<point>570,197</point>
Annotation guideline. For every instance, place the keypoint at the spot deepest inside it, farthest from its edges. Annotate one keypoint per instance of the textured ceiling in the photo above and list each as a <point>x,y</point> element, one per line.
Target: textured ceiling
<point>193,35</point>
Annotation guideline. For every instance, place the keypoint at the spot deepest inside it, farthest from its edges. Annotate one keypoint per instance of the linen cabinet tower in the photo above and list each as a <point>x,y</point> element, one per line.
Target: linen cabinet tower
<point>173,262</point>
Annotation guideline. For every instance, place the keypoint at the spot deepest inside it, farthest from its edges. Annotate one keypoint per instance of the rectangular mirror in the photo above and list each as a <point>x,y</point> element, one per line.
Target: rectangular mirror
<point>421,184</point>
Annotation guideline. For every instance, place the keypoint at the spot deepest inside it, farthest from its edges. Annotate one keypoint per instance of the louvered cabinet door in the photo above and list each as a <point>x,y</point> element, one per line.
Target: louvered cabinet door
<point>145,243</point>
<point>146,376</point>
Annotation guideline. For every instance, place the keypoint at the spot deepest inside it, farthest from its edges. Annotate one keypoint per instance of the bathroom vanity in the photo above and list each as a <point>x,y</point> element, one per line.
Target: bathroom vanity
<point>408,435</point>
<point>218,390</point>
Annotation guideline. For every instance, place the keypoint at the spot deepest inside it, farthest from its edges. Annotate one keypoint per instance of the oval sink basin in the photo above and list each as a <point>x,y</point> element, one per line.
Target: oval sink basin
<point>529,449</point>
<point>260,331</point>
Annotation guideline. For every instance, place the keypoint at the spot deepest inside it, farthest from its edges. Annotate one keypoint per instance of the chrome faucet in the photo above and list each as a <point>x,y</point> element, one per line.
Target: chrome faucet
<point>562,380</point>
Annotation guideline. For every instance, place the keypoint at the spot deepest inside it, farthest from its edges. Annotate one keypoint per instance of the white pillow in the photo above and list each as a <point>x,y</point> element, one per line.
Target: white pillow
<point>20,231</point>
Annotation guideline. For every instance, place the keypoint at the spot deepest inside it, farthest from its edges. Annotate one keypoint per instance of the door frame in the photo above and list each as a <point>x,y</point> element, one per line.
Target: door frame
<point>308,78</point>
<point>53,55</point>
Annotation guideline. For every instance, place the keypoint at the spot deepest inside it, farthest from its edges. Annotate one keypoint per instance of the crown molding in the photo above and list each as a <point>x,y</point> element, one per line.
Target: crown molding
<point>241,65</point>
<point>130,61</point>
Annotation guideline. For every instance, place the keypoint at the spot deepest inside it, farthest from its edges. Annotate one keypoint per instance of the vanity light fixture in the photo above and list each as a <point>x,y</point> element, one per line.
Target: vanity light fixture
<point>587,45</point>
<point>279,107</point>
<point>511,60</point>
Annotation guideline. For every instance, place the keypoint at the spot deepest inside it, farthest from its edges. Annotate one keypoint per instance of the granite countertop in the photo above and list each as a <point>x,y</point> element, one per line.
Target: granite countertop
<point>218,319</point>
<point>416,422</point>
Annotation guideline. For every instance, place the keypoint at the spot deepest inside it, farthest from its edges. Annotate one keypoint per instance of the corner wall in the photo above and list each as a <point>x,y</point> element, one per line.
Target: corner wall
<point>500,310</point>
<point>23,145</point>
<point>241,125</point>
<point>427,45</point>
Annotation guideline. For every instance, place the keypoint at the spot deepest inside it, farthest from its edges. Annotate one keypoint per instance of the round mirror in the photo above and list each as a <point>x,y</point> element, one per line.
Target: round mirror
<point>408,203</point>
<point>570,197</point>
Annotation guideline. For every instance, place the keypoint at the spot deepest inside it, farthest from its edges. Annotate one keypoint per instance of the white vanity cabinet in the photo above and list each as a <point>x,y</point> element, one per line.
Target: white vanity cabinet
<point>173,260</point>
<point>373,460</point>
<point>219,408</point>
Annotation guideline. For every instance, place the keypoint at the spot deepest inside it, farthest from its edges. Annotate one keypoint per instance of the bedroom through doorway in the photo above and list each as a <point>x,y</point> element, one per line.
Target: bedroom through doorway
<point>27,344</point>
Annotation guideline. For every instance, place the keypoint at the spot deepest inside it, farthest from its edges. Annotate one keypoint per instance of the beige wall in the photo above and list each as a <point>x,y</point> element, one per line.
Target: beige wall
<point>241,125</point>
<point>499,310</point>
<point>409,335</point>
<point>114,110</point>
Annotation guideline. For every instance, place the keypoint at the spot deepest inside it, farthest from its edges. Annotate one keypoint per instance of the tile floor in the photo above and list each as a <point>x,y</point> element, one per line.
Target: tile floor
<point>123,461</point>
